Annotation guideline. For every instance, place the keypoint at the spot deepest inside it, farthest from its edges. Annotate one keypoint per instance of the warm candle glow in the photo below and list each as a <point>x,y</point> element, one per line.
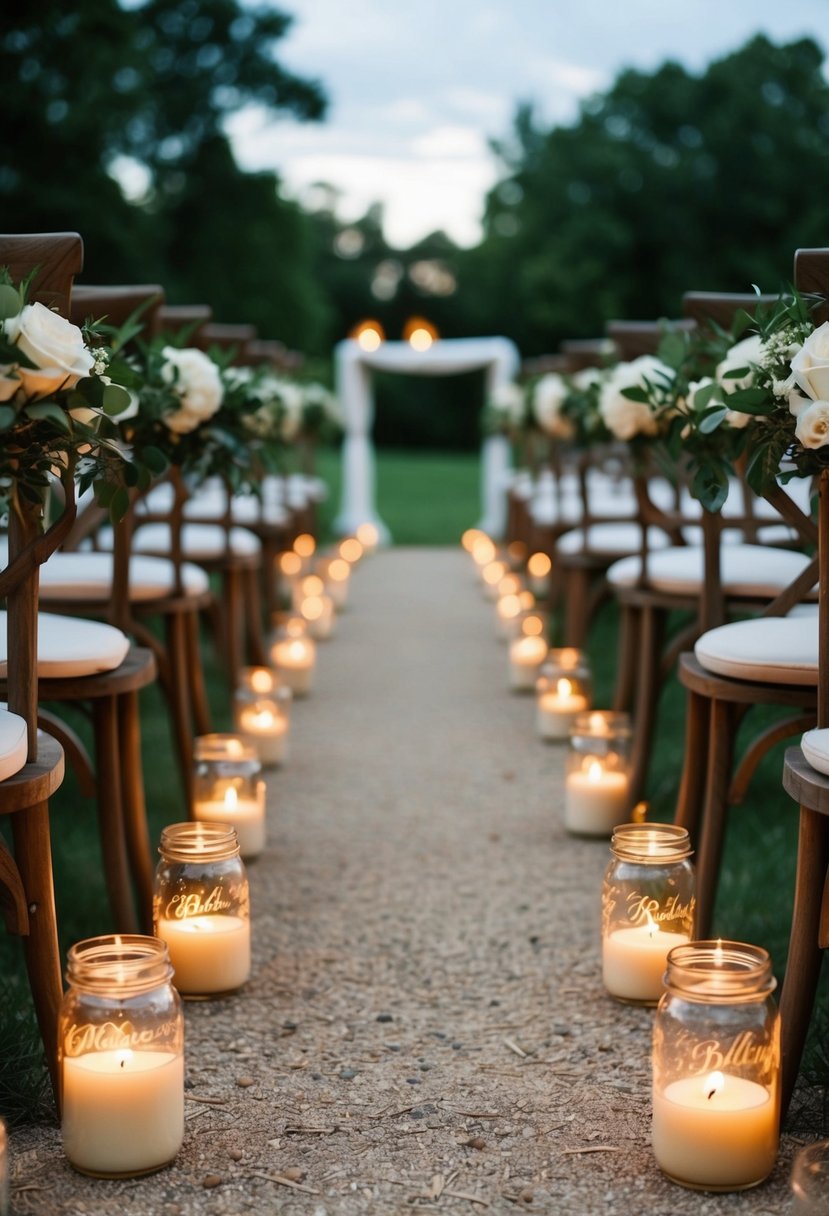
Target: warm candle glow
<point>569,657</point>
<point>312,584</point>
<point>368,536</point>
<point>289,563</point>
<point>714,1084</point>
<point>350,549</point>
<point>510,584</point>
<point>470,536</point>
<point>539,565</point>
<point>598,723</point>
<point>595,772</point>
<point>305,545</point>
<point>532,626</point>
<point>368,335</point>
<point>312,607</point>
<point>508,607</point>
<point>564,688</point>
<point>339,570</point>
<point>231,798</point>
<point>419,333</point>
<point>483,551</point>
<point>493,573</point>
<point>261,679</point>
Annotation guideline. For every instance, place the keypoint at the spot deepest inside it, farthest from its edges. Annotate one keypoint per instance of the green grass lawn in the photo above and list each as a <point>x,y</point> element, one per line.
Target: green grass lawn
<point>425,498</point>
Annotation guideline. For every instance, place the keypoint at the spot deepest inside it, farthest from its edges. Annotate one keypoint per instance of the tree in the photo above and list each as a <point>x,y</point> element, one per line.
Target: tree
<point>96,90</point>
<point>667,182</point>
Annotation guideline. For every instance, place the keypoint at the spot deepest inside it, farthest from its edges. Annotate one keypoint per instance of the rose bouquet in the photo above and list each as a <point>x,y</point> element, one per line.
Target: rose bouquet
<point>57,403</point>
<point>506,410</point>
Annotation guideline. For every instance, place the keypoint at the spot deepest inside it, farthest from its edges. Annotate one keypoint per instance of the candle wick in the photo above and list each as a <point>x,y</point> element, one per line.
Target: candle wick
<point>711,1093</point>
<point>123,1062</point>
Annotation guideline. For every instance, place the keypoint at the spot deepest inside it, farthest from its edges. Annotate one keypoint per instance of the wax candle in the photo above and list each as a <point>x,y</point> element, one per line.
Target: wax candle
<point>715,1131</point>
<point>318,611</point>
<point>557,709</point>
<point>209,954</point>
<point>266,728</point>
<point>337,577</point>
<point>526,654</point>
<point>123,1110</point>
<point>294,658</point>
<point>596,799</point>
<point>369,537</point>
<point>634,961</point>
<point>245,814</point>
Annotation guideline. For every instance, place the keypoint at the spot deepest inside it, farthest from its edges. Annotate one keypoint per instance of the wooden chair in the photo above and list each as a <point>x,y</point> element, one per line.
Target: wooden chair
<point>27,895</point>
<point>94,665</point>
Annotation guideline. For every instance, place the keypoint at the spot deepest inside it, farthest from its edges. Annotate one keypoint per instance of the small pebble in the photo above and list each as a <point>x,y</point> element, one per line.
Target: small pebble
<point>235,1154</point>
<point>457,1046</point>
<point>245,1082</point>
<point>476,1142</point>
<point>316,1076</point>
<point>294,1173</point>
<point>526,1195</point>
<point>392,1046</point>
<point>384,1017</point>
<point>211,1181</point>
<point>412,1080</point>
<point>425,1066</point>
<point>347,1074</point>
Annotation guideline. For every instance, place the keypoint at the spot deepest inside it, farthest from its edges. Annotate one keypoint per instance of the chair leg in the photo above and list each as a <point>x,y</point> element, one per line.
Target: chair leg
<point>135,808</point>
<point>651,632</point>
<point>33,856</point>
<point>629,624</point>
<point>195,675</point>
<point>111,814</point>
<point>232,617</point>
<point>576,600</point>
<point>691,788</point>
<point>178,695</point>
<point>253,614</point>
<point>803,964</point>
<point>722,726</point>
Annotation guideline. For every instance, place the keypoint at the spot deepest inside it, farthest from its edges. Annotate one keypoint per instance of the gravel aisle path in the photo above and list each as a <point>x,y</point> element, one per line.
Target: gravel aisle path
<point>426,1028</point>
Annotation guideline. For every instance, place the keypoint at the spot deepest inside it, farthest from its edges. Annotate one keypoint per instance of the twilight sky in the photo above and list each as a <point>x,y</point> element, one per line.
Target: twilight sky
<point>416,90</point>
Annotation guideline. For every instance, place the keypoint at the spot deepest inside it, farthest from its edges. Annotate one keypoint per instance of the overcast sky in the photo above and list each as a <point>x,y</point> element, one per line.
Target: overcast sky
<point>417,89</point>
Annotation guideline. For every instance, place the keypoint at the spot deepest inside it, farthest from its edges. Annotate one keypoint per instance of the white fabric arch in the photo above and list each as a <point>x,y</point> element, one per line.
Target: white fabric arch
<point>354,366</point>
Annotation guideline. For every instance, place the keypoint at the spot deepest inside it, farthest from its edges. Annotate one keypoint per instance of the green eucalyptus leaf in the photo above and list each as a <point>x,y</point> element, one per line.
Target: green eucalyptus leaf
<point>702,397</point>
<point>711,419</point>
<point>115,399</point>
<point>737,373</point>
<point>8,417</point>
<point>47,411</point>
<point>10,301</point>
<point>672,351</point>
<point>634,393</point>
<point>154,459</point>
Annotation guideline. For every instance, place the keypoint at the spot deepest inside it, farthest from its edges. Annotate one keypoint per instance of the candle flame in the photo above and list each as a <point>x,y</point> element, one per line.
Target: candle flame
<point>532,626</point>
<point>367,534</point>
<point>652,926</point>
<point>569,657</point>
<point>339,570</point>
<point>483,551</point>
<point>594,771</point>
<point>231,799</point>
<point>539,565</point>
<point>261,680</point>
<point>718,954</point>
<point>290,563</point>
<point>508,607</point>
<point>564,688</point>
<point>297,649</point>
<point>598,723</point>
<point>312,607</point>
<point>714,1083</point>
<point>469,537</point>
<point>305,544</point>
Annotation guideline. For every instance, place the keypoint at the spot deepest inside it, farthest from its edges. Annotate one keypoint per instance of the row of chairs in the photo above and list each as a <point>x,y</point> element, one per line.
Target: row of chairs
<point>641,540</point>
<point>93,626</point>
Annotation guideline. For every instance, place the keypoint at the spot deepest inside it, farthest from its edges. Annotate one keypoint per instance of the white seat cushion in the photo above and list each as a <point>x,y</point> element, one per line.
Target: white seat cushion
<point>13,744</point>
<point>88,576</point>
<point>815,746</point>
<point>67,646</point>
<point>199,542</point>
<point>749,570</point>
<point>609,538</point>
<point>770,650</point>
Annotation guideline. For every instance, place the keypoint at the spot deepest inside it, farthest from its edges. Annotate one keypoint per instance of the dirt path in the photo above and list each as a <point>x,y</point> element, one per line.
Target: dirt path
<point>426,1028</point>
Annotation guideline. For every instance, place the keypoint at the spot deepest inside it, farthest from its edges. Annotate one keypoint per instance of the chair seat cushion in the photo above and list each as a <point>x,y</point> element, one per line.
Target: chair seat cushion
<point>199,542</point>
<point>86,576</point>
<point>815,747</point>
<point>749,570</point>
<point>609,538</point>
<point>769,650</point>
<point>68,647</point>
<point>13,744</point>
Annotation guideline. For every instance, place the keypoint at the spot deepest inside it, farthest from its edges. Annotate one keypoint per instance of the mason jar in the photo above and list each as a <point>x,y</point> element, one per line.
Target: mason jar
<point>201,908</point>
<point>121,1057</point>
<point>648,903</point>
<point>563,691</point>
<point>228,788</point>
<point>716,1067</point>
<point>597,794</point>
<point>262,713</point>
<point>294,654</point>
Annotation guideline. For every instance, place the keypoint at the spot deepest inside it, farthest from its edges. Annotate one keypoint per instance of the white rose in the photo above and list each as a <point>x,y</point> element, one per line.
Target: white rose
<point>812,428</point>
<point>810,366</point>
<point>549,395</point>
<point>748,353</point>
<point>798,404</point>
<point>55,346</point>
<point>198,383</point>
<point>625,418</point>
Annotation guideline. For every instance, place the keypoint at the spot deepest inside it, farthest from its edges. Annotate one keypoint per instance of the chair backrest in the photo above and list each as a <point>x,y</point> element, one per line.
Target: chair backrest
<point>56,257</point>
<point>115,305</point>
<point>174,319</point>
<point>721,307</point>
<point>811,276</point>
<point>235,338</point>
<point>634,338</point>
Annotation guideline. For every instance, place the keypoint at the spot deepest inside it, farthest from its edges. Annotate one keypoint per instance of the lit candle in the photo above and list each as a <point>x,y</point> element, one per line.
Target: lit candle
<point>337,576</point>
<point>266,728</point>
<point>596,799</point>
<point>715,1131</point>
<point>209,953</point>
<point>246,815</point>
<point>634,961</point>
<point>556,710</point>
<point>492,574</point>
<point>526,654</point>
<point>369,537</point>
<point>318,611</point>
<point>539,567</point>
<point>123,1110</point>
<point>294,658</point>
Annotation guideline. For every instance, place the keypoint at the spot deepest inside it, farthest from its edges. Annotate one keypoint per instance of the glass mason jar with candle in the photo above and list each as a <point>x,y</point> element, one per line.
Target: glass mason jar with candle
<point>293,653</point>
<point>563,691</point>
<point>716,1067</point>
<point>597,780</point>
<point>228,788</point>
<point>648,902</point>
<point>120,1056</point>
<point>201,908</point>
<point>262,713</point>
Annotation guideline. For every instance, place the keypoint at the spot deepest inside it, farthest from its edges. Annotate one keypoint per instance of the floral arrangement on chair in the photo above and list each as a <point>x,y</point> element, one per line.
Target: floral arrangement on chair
<point>58,402</point>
